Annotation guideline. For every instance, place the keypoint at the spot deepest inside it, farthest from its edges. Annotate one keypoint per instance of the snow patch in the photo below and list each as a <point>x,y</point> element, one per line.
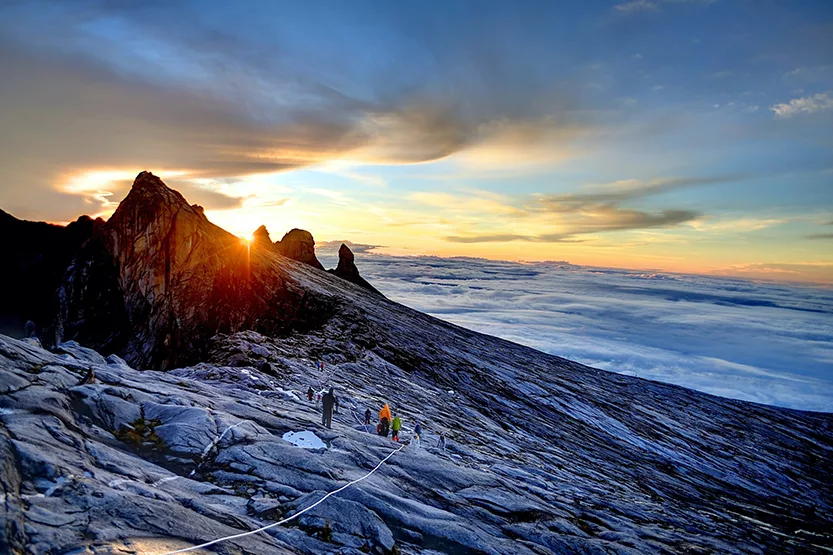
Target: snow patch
<point>304,440</point>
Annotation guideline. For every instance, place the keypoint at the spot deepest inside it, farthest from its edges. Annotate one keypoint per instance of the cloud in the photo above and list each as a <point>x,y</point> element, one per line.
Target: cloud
<point>331,247</point>
<point>636,6</point>
<point>596,219</point>
<point>498,238</point>
<point>630,189</point>
<point>667,327</point>
<point>119,86</point>
<point>818,272</point>
<point>820,102</point>
<point>820,236</point>
<point>599,209</point>
<point>735,224</point>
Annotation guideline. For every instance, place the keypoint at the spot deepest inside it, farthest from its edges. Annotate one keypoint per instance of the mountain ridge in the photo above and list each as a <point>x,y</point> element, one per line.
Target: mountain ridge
<point>545,455</point>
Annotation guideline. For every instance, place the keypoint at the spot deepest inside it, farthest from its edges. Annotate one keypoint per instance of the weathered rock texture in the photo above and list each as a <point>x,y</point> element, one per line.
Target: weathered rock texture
<point>544,455</point>
<point>296,244</point>
<point>347,269</point>
<point>299,245</point>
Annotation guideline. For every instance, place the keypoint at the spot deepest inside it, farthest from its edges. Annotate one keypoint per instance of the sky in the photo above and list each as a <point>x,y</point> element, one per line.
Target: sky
<point>690,136</point>
<point>765,342</point>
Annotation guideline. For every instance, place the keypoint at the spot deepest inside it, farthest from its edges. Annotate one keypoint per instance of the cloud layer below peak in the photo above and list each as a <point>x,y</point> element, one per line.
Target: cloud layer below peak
<point>759,342</point>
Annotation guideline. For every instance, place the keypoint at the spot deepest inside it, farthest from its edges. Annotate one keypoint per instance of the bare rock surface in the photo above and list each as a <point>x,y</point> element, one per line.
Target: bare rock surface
<point>592,463</point>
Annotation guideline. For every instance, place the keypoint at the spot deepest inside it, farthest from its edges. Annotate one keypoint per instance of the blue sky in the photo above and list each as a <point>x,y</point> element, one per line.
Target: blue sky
<point>684,135</point>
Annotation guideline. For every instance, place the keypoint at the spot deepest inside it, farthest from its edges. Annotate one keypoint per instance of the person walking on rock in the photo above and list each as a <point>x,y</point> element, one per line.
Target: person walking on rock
<point>441,441</point>
<point>417,435</point>
<point>328,401</point>
<point>396,425</point>
<point>367,416</point>
<point>310,393</point>
<point>384,421</point>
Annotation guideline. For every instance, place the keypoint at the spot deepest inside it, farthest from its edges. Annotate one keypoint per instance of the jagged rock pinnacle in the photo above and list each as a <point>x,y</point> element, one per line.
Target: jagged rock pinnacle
<point>299,245</point>
<point>347,269</point>
<point>261,237</point>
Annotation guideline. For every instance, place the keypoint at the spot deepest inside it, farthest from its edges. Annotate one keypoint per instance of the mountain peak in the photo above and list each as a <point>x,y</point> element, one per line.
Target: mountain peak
<point>160,281</point>
<point>348,270</point>
<point>261,236</point>
<point>299,245</point>
<point>345,256</point>
<point>149,188</point>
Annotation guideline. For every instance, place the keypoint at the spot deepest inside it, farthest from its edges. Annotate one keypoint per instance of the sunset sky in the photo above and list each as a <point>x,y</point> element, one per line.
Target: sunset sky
<point>682,135</point>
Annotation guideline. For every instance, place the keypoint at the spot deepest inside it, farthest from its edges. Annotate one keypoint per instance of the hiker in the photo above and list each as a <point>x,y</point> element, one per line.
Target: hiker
<point>327,403</point>
<point>384,421</point>
<point>417,434</point>
<point>30,329</point>
<point>367,415</point>
<point>310,393</point>
<point>441,441</point>
<point>396,425</point>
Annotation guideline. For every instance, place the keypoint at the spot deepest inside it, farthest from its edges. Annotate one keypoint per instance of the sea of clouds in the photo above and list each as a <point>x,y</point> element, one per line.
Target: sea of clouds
<point>764,342</point>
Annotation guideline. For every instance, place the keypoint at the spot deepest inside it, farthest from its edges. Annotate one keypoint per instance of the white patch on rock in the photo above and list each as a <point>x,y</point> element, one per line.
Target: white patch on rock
<point>304,440</point>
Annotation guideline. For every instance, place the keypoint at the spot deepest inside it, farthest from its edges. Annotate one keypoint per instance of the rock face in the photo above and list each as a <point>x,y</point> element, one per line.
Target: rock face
<point>296,244</point>
<point>543,455</point>
<point>261,237</point>
<point>299,245</point>
<point>34,257</point>
<point>347,269</point>
<point>172,280</point>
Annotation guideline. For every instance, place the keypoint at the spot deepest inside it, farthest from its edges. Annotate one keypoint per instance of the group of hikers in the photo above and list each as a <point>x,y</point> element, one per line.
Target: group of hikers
<point>387,424</point>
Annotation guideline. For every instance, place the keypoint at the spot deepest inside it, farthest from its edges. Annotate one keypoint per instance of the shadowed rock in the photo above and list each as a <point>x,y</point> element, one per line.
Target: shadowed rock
<point>347,269</point>
<point>34,257</point>
<point>299,245</point>
<point>261,237</point>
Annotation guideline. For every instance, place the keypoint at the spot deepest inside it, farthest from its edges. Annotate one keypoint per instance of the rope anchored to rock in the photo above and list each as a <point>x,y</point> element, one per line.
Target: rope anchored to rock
<point>296,515</point>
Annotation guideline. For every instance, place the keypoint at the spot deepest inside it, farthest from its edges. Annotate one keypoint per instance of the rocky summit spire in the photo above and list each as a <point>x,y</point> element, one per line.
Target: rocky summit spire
<point>299,245</point>
<point>174,280</point>
<point>261,237</point>
<point>347,269</point>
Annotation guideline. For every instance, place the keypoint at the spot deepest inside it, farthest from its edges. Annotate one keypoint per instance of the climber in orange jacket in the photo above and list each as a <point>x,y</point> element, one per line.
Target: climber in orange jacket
<point>384,420</point>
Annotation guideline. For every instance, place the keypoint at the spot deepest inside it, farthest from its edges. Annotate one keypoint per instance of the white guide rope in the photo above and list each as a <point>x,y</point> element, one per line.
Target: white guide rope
<point>296,515</point>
